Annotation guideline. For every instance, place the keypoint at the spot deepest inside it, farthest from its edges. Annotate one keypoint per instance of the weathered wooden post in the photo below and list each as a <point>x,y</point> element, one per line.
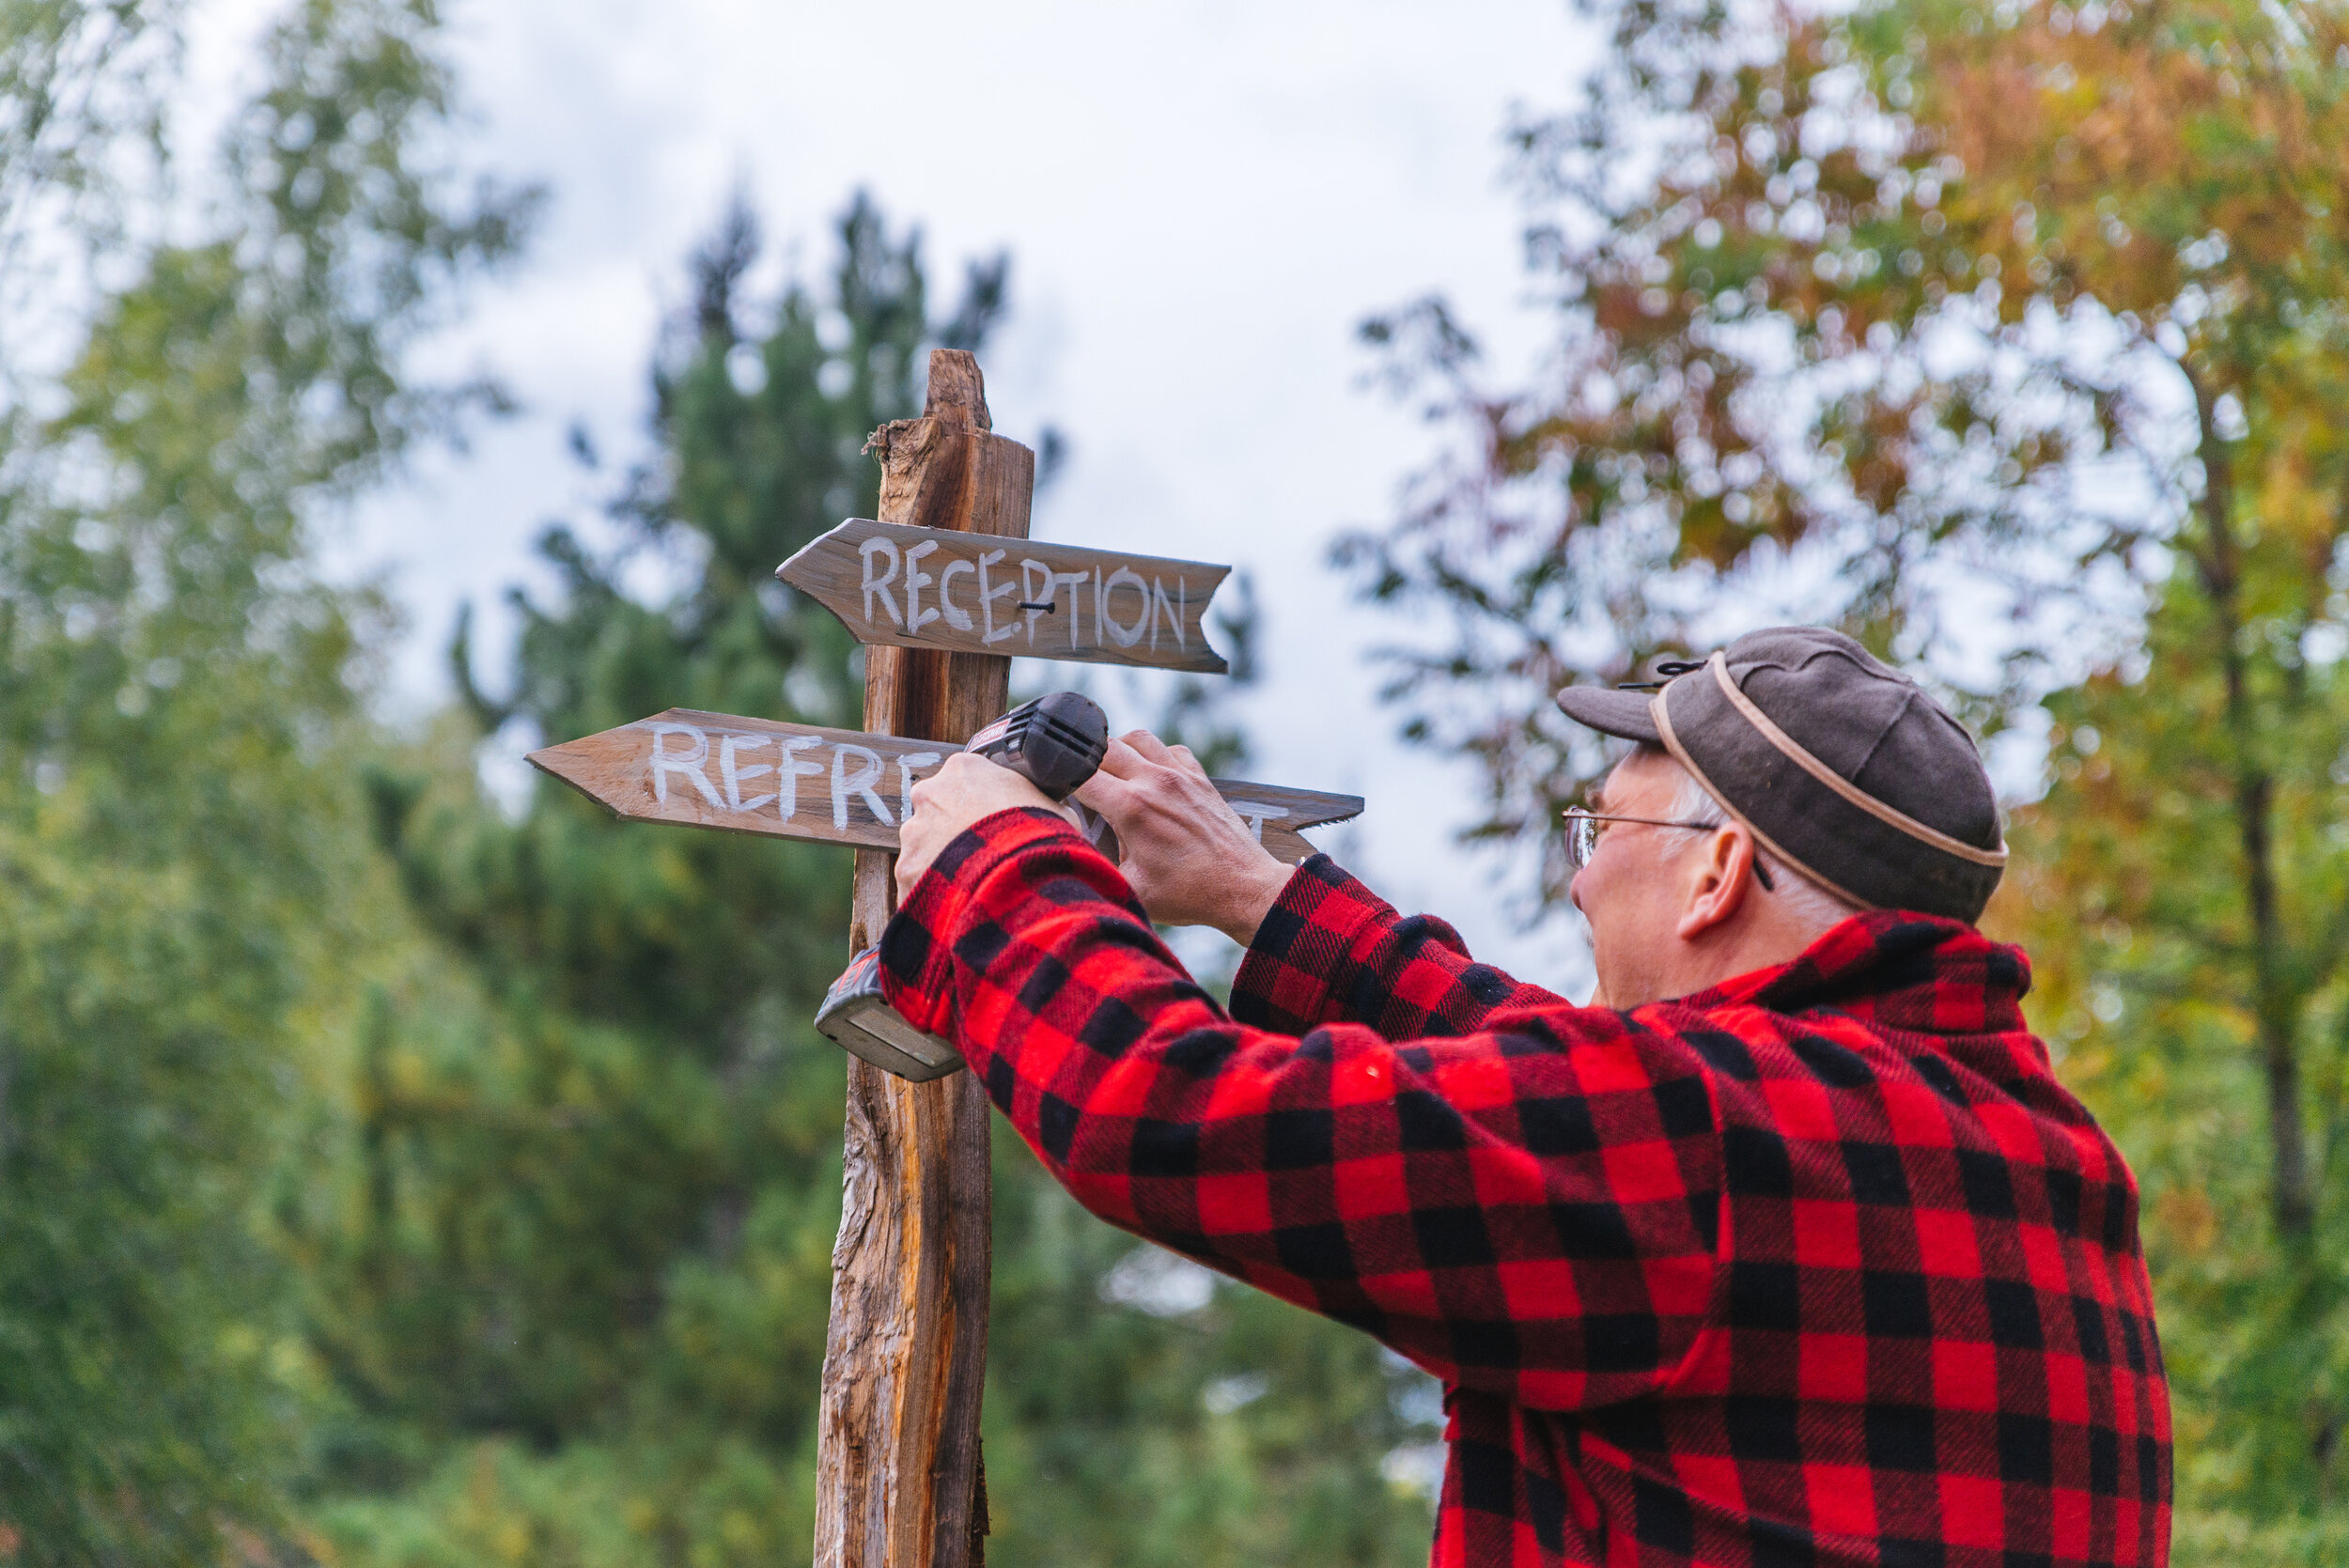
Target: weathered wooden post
<point>898,1478</point>
<point>899,1483</point>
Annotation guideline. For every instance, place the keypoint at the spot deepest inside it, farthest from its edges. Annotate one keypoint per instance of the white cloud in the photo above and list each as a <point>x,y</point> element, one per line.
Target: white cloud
<point>1202,199</point>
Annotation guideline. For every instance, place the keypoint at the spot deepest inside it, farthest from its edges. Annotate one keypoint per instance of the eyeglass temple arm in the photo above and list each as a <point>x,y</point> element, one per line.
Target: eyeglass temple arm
<point>1761,872</point>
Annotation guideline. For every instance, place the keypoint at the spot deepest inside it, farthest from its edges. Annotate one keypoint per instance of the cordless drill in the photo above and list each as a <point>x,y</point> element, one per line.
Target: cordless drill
<point>1057,743</point>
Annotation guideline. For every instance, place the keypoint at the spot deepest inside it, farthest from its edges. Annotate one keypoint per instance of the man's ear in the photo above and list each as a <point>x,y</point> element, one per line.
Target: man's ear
<point>1716,883</point>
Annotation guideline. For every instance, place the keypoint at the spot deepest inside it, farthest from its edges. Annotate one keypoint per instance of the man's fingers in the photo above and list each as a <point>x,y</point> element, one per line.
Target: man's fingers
<point>914,856</point>
<point>1151,746</point>
<point>1180,757</point>
<point>1133,760</point>
<point>1121,761</point>
<point>957,764</point>
<point>941,784</point>
<point>1108,793</point>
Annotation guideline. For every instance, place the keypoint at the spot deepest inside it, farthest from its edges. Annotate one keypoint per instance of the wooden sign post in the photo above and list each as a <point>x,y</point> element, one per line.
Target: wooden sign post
<point>940,607</point>
<point>898,1482</point>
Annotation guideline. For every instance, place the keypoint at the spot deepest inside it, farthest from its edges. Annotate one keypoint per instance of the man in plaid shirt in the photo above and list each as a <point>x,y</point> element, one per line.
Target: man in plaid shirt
<point>1787,1248</point>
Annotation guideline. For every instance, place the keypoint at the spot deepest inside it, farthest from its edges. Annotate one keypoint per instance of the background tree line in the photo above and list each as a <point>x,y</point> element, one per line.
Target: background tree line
<point>388,1176</point>
<point>2013,335</point>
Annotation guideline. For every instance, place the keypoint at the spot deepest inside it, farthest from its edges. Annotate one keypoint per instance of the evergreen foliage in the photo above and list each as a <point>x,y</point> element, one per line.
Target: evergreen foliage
<point>386,1177</point>
<point>179,842</point>
<point>392,1176</point>
<point>575,1285</point>
<point>601,1187</point>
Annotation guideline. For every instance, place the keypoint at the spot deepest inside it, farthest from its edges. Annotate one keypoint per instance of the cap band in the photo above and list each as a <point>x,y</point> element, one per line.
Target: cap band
<point>1839,816</point>
<point>1794,753</point>
<point>1680,755</point>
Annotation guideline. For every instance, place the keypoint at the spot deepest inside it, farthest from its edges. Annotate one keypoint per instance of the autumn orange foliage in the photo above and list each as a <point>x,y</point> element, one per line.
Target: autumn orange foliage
<point>2016,337</point>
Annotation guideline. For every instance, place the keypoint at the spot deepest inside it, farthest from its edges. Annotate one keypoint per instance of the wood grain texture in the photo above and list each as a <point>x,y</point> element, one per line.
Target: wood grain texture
<point>897,1450</point>
<point>749,775</point>
<point>844,786</point>
<point>934,588</point>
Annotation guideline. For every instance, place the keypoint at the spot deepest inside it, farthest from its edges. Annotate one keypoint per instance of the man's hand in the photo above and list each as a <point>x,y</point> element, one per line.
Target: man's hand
<point>966,790</point>
<point>1186,853</point>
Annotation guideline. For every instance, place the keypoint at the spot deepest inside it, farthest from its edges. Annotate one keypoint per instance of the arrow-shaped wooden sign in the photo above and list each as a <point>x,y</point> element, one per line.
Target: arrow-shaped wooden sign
<point>834,787</point>
<point>969,592</point>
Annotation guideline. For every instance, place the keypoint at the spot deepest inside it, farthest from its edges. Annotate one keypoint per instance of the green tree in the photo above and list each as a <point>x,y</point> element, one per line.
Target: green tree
<point>596,1160</point>
<point>1138,1413</point>
<point>575,1275</point>
<point>2188,878</point>
<point>2130,892</point>
<point>181,712</point>
<point>2018,324</point>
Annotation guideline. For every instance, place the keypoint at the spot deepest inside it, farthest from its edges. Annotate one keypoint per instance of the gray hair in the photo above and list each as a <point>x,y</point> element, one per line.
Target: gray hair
<point>1797,895</point>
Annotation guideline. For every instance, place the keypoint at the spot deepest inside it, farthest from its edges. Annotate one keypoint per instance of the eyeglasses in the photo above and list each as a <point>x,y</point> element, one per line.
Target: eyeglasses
<point>1583,834</point>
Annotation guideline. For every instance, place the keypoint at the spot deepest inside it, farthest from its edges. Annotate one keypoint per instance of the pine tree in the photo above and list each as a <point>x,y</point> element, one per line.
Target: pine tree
<point>596,1159</point>
<point>182,860</point>
<point>599,1171</point>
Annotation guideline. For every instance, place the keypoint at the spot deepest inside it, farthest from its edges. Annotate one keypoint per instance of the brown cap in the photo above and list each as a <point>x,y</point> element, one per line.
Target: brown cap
<point>1838,764</point>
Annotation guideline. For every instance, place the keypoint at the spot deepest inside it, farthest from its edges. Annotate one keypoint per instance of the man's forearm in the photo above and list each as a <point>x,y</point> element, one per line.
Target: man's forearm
<point>1330,951</point>
<point>1335,1170</point>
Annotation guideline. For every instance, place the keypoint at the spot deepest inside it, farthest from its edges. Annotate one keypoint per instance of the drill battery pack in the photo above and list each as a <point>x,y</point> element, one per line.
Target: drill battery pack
<point>858,1018</point>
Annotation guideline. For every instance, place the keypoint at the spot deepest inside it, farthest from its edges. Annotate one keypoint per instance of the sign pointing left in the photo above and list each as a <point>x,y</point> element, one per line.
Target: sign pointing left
<point>973,592</point>
<point>749,775</point>
<point>833,786</point>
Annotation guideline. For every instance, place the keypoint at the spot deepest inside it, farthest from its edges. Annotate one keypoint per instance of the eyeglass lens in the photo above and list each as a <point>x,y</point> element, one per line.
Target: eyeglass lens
<point>1581,838</point>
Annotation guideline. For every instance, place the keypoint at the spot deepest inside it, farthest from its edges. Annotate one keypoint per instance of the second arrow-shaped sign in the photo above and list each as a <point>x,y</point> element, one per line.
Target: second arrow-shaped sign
<point>834,787</point>
<point>974,592</point>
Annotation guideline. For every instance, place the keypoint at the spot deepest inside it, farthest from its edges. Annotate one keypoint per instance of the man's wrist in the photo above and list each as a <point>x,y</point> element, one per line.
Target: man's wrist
<point>1262,892</point>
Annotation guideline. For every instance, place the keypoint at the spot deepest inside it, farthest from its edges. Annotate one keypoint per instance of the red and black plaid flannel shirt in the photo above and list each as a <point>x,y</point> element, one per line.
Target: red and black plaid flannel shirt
<point>1821,1265</point>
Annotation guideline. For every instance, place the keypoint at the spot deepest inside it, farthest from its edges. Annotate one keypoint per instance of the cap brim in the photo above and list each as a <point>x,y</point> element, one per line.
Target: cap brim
<point>1611,713</point>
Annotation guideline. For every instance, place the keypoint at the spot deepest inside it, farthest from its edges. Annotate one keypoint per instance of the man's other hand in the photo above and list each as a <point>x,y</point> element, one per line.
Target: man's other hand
<point>965,791</point>
<point>1185,852</point>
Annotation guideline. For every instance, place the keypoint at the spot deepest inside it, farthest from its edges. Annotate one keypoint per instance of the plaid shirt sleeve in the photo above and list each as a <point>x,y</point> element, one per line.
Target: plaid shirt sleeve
<point>1330,951</point>
<point>1528,1212</point>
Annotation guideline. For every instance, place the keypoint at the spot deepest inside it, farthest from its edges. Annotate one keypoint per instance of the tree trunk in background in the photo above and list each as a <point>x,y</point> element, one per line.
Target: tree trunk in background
<point>2274,1008</point>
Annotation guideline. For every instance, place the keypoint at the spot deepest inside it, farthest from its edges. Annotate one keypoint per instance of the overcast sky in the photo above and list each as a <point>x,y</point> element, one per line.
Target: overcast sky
<point>1202,199</point>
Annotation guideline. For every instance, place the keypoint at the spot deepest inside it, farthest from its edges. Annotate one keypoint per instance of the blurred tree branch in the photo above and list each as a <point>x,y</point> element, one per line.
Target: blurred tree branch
<point>2010,334</point>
